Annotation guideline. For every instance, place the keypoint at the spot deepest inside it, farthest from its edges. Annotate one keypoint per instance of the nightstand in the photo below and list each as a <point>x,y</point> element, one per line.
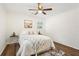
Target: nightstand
<point>12,39</point>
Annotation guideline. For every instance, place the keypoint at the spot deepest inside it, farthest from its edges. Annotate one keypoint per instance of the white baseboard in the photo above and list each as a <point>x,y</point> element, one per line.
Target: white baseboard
<point>3,47</point>
<point>66,44</point>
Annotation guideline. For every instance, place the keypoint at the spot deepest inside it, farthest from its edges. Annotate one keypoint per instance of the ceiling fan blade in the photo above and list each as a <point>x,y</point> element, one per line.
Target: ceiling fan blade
<point>36,13</point>
<point>48,9</point>
<point>44,13</point>
<point>32,9</point>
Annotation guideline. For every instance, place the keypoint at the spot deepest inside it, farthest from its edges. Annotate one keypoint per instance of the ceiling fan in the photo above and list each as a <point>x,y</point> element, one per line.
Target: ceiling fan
<point>40,9</point>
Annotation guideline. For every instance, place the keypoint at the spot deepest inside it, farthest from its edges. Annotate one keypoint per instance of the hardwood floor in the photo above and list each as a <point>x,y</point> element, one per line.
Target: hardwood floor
<point>11,50</point>
<point>68,50</point>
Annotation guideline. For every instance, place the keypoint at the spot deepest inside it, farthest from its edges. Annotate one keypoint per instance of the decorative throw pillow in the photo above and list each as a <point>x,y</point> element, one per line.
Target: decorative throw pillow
<point>29,32</point>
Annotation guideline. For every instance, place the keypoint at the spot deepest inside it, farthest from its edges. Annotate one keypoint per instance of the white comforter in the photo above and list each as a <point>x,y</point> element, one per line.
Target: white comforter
<point>33,44</point>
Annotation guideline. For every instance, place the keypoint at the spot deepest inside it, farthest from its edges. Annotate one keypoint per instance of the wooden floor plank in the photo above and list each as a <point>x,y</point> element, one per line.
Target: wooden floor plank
<point>68,50</point>
<point>12,49</point>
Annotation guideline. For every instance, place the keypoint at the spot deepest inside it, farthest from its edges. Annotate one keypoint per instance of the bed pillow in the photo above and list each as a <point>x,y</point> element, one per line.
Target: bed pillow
<point>29,32</point>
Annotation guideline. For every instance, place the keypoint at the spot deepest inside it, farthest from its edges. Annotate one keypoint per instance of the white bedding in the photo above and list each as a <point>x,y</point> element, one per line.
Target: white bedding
<point>32,44</point>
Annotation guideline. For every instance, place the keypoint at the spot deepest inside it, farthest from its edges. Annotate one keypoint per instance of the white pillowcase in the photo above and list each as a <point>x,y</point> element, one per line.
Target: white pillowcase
<point>29,32</point>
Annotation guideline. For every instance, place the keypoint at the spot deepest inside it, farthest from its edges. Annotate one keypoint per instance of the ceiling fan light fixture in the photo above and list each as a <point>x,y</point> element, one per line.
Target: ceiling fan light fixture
<point>39,11</point>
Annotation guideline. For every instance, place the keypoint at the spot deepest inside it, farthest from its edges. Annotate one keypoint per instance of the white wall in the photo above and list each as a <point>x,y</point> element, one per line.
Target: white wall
<point>2,28</point>
<point>64,28</point>
<point>15,22</point>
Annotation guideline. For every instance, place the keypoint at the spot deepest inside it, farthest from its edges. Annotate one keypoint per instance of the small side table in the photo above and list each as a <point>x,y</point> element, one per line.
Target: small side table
<point>12,39</point>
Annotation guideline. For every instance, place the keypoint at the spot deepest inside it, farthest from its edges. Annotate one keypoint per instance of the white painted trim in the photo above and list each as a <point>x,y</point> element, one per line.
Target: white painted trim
<point>3,48</point>
<point>67,44</point>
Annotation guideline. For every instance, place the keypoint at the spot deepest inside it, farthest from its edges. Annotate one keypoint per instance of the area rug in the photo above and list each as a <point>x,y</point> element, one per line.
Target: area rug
<point>54,53</point>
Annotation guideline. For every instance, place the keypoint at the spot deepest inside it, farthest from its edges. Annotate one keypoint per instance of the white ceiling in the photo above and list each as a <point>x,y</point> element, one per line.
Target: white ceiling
<point>23,7</point>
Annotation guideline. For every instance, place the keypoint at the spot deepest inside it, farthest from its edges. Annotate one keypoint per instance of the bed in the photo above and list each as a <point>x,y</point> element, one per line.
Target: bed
<point>33,44</point>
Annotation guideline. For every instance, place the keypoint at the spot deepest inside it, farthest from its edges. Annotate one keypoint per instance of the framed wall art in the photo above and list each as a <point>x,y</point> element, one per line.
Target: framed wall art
<point>28,23</point>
